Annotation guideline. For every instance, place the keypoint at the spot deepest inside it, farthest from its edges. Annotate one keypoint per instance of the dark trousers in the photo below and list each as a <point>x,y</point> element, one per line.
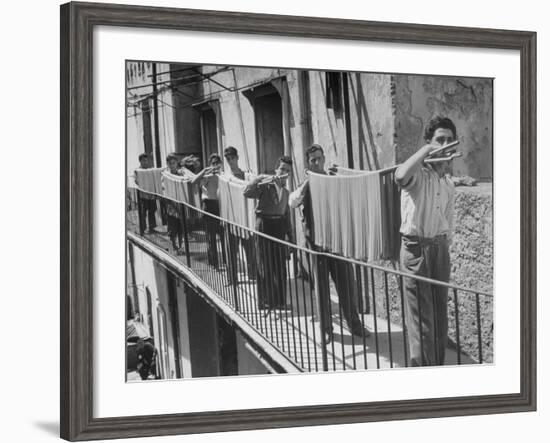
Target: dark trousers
<point>343,275</point>
<point>147,208</point>
<point>234,237</point>
<point>174,223</point>
<point>271,259</point>
<point>425,303</point>
<point>249,247</point>
<point>213,231</point>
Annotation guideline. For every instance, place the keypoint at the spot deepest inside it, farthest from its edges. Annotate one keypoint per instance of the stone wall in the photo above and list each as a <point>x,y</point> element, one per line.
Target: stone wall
<point>472,267</point>
<point>472,247</point>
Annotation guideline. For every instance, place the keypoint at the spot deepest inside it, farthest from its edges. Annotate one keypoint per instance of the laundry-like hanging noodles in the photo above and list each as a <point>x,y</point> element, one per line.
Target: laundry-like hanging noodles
<point>234,207</point>
<point>351,213</point>
<point>149,180</point>
<point>180,189</point>
<point>348,171</point>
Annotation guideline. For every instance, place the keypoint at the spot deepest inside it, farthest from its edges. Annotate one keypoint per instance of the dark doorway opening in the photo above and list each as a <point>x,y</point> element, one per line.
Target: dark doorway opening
<point>210,128</point>
<point>203,336</point>
<point>209,133</point>
<point>147,126</point>
<point>268,115</point>
<point>227,341</point>
<point>268,111</point>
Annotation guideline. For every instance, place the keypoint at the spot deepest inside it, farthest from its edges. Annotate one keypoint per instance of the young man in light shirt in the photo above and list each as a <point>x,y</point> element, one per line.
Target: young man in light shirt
<point>427,212</point>
<point>208,180</point>
<point>231,156</point>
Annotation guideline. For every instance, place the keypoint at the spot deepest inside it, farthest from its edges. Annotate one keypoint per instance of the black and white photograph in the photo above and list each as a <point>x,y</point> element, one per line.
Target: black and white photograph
<point>282,220</point>
<point>244,221</point>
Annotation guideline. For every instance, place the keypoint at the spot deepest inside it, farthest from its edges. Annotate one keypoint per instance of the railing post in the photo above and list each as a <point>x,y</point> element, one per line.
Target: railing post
<point>457,328</point>
<point>141,212</point>
<point>183,212</point>
<point>318,270</point>
<point>234,264</point>
<point>479,340</point>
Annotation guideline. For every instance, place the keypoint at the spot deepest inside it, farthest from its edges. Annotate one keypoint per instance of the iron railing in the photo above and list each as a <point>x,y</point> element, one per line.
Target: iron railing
<point>293,316</point>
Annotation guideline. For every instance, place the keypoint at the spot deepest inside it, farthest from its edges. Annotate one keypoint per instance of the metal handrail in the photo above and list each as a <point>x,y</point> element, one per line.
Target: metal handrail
<point>322,253</point>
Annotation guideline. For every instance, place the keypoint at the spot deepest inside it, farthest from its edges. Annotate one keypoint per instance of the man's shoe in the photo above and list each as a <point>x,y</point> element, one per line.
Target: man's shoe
<point>359,330</point>
<point>328,336</point>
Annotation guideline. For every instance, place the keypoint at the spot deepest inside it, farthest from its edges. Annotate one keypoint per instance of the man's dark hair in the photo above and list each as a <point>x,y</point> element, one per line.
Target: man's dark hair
<point>190,162</point>
<point>230,150</point>
<point>436,123</point>
<point>171,156</point>
<point>313,148</point>
<point>142,156</point>
<point>214,157</point>
<point>284,159</point>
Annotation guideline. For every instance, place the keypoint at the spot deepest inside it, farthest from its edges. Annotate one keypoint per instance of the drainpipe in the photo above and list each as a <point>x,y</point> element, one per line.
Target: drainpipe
<point>134,280</point>
<point>158,159</point>
<point>347,119</point>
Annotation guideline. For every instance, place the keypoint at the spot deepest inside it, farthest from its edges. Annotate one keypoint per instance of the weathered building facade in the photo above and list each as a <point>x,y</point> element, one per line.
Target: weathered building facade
<point>362,120</point>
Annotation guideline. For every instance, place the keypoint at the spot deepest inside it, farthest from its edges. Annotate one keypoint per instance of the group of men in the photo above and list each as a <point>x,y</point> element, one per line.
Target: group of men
<point>427,210</point>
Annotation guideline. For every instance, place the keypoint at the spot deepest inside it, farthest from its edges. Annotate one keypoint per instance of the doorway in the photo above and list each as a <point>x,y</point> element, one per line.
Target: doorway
<point>209,133</point>
<point>147,126</point>
<point>268,110</point>
<point>210,128</point>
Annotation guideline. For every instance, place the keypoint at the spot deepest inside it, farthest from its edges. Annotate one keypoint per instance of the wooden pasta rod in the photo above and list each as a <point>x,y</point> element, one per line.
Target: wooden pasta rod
<point>443,159</point>
<point>444,149</point>
<point>270,179</point>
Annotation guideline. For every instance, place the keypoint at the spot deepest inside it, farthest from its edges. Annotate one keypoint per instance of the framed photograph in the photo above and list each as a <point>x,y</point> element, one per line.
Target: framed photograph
<point>272,221</point>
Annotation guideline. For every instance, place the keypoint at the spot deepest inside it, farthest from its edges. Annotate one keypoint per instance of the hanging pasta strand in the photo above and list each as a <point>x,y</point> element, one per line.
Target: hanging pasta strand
<point>348,213</point>
<point>233,204</point>
<point>149,180</point>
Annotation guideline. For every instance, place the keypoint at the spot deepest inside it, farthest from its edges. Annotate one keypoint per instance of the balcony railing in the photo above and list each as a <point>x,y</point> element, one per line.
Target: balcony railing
<point>282,298</point>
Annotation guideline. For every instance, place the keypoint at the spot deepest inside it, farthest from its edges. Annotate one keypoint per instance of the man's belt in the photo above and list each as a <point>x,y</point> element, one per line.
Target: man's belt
<point>438,239</point>
<point>269,216</point>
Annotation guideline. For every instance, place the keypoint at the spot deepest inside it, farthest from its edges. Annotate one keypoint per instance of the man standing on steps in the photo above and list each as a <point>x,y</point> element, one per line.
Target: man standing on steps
<point>342,272</point>
<point>427,212</point>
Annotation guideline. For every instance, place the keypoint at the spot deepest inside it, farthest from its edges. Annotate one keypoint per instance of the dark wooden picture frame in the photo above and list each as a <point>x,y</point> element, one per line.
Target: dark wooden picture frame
<point>77,217</point>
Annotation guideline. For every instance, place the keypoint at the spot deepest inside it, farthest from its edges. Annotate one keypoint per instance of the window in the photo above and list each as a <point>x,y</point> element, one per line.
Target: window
<point>333,91</point>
